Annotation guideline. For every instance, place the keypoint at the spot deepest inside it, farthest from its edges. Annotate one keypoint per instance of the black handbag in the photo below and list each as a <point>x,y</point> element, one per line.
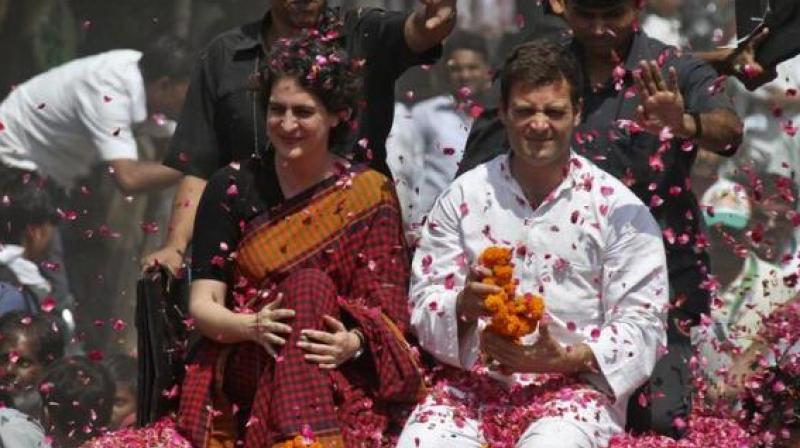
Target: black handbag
<point>163,342</point>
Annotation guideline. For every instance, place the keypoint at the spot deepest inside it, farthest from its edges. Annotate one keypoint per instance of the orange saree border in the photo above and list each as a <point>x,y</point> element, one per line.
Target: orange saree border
<point>281,243</point>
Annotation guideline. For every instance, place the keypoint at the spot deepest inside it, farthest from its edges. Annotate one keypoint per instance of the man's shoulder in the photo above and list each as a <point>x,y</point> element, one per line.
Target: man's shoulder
<point>235,37</point>
<point>479,177</point>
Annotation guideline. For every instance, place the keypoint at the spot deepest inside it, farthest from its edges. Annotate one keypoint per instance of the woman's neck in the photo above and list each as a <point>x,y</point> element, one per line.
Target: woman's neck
<point>297,175</point>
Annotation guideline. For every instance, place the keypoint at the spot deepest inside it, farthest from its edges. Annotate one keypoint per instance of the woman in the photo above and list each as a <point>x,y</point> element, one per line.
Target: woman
<point>299,277</point>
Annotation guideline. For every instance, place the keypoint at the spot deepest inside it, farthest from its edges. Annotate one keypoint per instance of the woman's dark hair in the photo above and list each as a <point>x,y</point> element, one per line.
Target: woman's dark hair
<point>324,69</point>
<point>24,201</point>
<point>44,331</point>
<point>539,63</point>
<point>78,395</point>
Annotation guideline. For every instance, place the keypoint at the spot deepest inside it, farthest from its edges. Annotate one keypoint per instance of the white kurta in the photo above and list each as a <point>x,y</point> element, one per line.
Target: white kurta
<point>592,249</point>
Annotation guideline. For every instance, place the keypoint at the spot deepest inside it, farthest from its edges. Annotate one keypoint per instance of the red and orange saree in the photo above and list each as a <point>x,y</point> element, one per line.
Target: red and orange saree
<point>336,251</point>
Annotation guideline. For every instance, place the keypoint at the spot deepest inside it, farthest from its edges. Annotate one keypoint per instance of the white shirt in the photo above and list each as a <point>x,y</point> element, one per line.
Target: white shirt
<point>65,120</point>
<point>665,29</point>
<point>605,273</point>
<point>425,148</point>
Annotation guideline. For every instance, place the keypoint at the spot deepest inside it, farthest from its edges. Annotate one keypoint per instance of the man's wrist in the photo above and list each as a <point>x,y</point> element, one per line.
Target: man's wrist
<point>582,359</point>
<point>692,126</point>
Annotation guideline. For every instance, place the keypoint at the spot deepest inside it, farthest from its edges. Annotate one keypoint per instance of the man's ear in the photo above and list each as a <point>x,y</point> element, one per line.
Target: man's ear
<point>578,112</point>
<point>501,113</point>
<point>558,6</point>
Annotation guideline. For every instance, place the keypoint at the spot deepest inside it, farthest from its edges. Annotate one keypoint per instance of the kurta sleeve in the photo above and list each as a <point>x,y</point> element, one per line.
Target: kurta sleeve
<point>380,278</point>
<point>635,297</point>
<point>438,274</point>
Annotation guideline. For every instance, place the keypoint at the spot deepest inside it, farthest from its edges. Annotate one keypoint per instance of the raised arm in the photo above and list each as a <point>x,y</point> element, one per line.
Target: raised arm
<point>430,24</point>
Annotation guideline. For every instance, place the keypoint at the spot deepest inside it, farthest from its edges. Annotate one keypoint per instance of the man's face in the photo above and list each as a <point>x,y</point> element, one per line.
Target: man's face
<point>539,122</point>
<point>468,68</point>
<point>602,30</point>
<point>297,13</point>
<point>21,368</point>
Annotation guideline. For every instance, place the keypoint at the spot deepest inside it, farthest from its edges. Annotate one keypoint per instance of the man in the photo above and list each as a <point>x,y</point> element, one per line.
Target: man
<point>647,112</point>
<point>440,127</point>
<point>27,225</point>
<point>221,122</point>
<point>580,239</point>
<point>62,122</point>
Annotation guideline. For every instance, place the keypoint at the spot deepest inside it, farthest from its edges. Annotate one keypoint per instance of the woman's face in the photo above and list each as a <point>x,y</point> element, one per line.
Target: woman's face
<point>298,124</point>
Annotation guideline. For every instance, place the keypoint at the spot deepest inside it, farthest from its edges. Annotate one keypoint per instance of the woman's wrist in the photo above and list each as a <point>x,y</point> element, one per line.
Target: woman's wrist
<point>360,344</point>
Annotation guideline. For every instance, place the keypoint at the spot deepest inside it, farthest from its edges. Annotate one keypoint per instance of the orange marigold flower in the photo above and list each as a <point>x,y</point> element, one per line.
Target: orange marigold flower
<point>301,442</point>
<point>511,316</point>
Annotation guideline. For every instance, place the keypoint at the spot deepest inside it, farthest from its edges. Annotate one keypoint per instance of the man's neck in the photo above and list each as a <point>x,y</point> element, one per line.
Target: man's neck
<point>538,182</point>
<point>275,29</point>
<point>599,67</point>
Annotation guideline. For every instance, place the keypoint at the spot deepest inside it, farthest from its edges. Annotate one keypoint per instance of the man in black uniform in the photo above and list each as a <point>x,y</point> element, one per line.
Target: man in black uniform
<point>221,122</point>
<point>647,111</point>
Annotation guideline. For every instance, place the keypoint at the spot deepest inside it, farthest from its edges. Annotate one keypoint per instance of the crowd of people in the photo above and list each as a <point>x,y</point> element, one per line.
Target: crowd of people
<point>581,233</point>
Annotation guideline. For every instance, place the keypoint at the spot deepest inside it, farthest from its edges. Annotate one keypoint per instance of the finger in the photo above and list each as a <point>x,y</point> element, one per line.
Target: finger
<point>443,14</point>
<point>273,339</point>
<point>274,304</point>
<point>320,359</point>
<point>328,366</point>
<point>647,77</point>
<point>281,314</point>
<point>277,327</point>
<point>479,272</point>
<point>640,86</point>
<point>333,324</point>
<point>268,348</point>
<point>673,80</point>
<point>544,332</point>
<point>317,349</point>
<point>320,336</point>
<point>641,116</point>
<point>482,288</point>
<point>658,78</point>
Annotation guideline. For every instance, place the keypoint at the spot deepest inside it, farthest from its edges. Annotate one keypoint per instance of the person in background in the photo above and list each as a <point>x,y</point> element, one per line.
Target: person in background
<point>29,344</point>
<point>123,371</point>
<point>63,121</point>
<point>77,398</point>
<point>662,21</point>
<point>28,220</point>
<point>749,286</point>
<point>221,122</point>
<point>440,127</point>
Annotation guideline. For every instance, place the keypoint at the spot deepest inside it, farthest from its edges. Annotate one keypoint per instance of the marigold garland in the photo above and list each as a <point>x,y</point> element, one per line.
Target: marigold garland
<point>511,315</point>
<point>301,442</point>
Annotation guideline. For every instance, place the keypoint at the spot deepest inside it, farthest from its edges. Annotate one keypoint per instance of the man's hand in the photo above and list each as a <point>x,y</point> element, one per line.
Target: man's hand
<point>168,256</point>
<point>742,63</point>
<point>662,104</point>
<point>469,303</point>
<point>438,13</point>
<point>427,27</point>
<point>545,356</point>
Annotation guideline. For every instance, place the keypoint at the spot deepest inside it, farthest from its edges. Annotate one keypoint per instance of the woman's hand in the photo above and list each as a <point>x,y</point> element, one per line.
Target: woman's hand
<point>329,349</point>
<point>266,326</point>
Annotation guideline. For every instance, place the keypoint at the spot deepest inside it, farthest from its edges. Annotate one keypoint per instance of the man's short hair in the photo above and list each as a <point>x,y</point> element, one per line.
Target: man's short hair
<point>167,56</point>
<point>24,202</point>
<point>78,395</point>
<point>465,40</point>
<point>123,369</point>
<point>44,332</point>
<point>541,62</point>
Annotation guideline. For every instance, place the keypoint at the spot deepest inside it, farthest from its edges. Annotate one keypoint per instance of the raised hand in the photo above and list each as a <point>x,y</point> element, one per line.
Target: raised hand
<point>438,12</point>
<point>662,103</point>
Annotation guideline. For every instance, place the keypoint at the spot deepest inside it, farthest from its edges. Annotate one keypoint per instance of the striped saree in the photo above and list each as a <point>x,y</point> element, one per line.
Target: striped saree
<point>336,251</point>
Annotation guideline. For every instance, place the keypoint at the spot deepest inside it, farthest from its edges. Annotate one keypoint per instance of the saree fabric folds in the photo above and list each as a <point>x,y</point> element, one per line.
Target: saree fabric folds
<point>336,249</point>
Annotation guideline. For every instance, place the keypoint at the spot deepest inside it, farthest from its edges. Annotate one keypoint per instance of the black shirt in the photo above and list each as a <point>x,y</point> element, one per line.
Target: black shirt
<point>222,122</point>
<point>660,178</point>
